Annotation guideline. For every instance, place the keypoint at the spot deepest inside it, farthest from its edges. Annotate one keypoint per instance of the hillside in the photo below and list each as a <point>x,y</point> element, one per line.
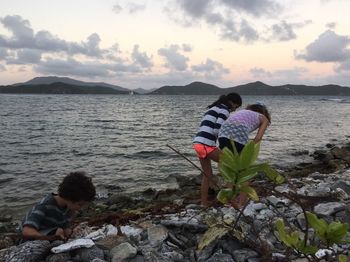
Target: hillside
<point>47,80</point>
<point>59,88</point>
<point>255,88</point>
<point>195,88</point>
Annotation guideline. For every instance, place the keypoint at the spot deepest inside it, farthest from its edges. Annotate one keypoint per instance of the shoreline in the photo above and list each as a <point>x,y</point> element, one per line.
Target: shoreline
<point>332,162</point>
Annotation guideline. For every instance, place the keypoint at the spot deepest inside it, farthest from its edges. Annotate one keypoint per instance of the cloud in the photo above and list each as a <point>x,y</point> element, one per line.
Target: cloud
<point>236,20</point>
<point>141,58</point>
<point>2,68</point>
<point>117,9</point>
<point>25,56</point>
<point>3,53</point>
<point>328,47</point>
<point>23,37</point>
<point>292,75</point>
<point>174,60</point>
<point>255,8</point>
<point>130,7</point>
<point>187,48</point>
<point>211,69</point>
<point>331,25</point>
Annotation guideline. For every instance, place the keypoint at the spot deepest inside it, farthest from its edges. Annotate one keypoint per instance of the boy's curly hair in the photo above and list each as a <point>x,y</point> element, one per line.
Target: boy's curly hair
<point>76,187</point>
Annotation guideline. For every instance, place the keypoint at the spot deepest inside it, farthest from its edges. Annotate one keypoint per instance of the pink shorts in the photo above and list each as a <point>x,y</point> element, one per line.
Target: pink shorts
<point>203,150</point>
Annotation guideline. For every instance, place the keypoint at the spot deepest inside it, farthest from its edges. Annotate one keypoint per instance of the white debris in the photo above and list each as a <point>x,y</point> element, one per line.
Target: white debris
<point>77,243</point>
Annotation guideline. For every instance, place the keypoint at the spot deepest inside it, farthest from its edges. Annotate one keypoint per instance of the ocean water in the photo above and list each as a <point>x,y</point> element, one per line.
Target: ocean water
<point>121,141</point>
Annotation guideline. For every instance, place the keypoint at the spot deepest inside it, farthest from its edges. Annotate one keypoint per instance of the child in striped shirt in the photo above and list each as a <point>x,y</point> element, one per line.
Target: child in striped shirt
<point>205,141</point>
<point>50,218</point>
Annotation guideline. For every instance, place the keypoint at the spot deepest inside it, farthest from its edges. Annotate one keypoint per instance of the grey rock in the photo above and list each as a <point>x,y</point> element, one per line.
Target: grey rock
<point>157,234</point>
<point>88,254</point>
<point>63,257</point>
<point>345,185</point>
<point>207,252</point>
<point>328,209</point>
<point>122,252</point>
<point>31,251</point>
<point>244,254</point>
<point>220,257</point>
<point>137,258</point>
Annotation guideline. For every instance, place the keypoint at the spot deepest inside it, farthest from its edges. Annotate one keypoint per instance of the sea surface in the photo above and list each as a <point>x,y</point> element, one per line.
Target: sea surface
<point>121,141</point>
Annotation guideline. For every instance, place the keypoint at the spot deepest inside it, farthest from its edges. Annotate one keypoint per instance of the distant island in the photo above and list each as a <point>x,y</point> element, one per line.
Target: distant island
<point>65,85</point>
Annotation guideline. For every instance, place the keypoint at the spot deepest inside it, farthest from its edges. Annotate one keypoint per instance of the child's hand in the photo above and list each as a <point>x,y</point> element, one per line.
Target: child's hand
<point>60,233</point>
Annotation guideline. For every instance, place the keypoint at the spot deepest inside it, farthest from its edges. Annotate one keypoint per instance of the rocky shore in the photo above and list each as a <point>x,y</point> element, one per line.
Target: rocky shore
<point>169,225</point>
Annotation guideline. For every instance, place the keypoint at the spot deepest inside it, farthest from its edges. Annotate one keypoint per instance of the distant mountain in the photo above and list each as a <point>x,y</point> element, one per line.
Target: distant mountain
<point>46,80</point>
<point>195,88</point>
<point>255,88</point>
<point>59,88</point>
<point>143,91</point>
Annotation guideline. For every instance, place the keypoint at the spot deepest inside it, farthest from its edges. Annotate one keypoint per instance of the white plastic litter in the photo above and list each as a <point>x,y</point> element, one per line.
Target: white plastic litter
<point>77,243</point>
<point>107,230</point>
<point>130,231</point>
<point>323,252</point>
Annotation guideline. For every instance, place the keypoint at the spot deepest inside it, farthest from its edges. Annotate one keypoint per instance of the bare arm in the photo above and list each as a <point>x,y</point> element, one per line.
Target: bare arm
<point>32,233</point>
<point>262,128</point>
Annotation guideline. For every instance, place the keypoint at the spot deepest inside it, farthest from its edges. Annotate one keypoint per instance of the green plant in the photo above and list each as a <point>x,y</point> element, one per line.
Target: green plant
<point>294,239</point>
<point>238,169</point>
<point>331,233</point>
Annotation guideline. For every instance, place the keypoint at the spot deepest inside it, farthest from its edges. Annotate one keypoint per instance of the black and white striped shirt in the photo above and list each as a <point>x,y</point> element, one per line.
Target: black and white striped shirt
<point>209,128</point>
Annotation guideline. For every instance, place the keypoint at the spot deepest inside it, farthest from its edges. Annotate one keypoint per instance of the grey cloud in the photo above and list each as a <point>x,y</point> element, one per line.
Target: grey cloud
<point>259,72</point>
<point>20,28</point>
<point>283,31</point>
<point>344,66</point>
<point>248,32</point>
<point>3,53</point>
<point>291,75</point>
<point>117,9</point>
<point>187,47</point>
<point>134,7</point>
<point>195,8</point>
<point>254,7</point>
<point>174,60</point>
<point>331,25</point>
<point>23,37</point>
<point>230,16</point>
<point>25,56</point>
<point>2,68</point>
<point>71,67</point>
<point>130,7</point>
<point>237,31</point>
<point>211,69</point>
<point>328,47</point>
<point>141,58</point>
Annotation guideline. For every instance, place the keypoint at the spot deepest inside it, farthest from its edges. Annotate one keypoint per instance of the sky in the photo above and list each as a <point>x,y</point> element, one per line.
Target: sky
<point>149,44</point>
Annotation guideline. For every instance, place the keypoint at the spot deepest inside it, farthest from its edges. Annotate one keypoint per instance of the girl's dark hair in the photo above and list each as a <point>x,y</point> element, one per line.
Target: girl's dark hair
<point>260,109</point>
<point>76,187</point>
<point>226,99</point>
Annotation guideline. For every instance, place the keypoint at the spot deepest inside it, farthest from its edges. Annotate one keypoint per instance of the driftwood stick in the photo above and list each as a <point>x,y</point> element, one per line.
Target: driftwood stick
<point>193,164</point>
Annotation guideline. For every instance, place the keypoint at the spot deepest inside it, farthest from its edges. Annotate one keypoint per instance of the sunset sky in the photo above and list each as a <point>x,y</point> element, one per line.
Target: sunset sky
<point>148,44</point>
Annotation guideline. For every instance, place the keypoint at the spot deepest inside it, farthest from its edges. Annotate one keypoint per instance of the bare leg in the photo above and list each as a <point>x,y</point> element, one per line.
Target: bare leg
<point>208,174</point>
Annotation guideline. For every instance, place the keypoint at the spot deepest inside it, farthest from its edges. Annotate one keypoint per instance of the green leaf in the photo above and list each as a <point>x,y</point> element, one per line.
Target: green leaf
<point>250,192</point>
<point>336,231</point>
<point>320,225</point>
<point>342,258</point>
<point>225,195</point>
<point>211,235</point>
<point>245,176</point>
<point>308,250</point>
<point>283,236</point>
<point>247,155</point>
<point>271,173</point>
